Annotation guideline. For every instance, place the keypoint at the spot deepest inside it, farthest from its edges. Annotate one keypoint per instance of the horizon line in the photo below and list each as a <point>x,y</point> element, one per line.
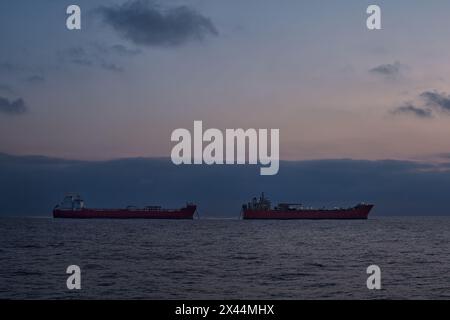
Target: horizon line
<point>119,158</point>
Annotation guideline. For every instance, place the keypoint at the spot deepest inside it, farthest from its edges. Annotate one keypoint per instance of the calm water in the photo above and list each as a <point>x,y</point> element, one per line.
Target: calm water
<point>225,259</point>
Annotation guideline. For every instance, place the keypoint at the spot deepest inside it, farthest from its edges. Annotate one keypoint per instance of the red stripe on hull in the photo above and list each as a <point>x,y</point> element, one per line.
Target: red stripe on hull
<point>360,212</point>
<point>183,213</point>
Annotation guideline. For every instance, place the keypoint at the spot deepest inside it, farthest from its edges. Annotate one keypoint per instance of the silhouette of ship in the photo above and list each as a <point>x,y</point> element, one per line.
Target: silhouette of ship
<point>262,209</point>
<point>73,207</point>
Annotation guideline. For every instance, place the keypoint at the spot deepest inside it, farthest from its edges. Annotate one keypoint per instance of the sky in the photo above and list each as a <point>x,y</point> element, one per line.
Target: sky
<point>137,70</point>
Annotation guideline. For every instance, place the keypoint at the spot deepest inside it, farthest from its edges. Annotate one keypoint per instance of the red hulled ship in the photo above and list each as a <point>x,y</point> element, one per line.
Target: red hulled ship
<point>73,207</point>
<point>261,209</point>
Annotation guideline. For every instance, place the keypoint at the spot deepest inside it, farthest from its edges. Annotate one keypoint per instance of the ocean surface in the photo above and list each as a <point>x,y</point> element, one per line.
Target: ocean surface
<point>225,259</point>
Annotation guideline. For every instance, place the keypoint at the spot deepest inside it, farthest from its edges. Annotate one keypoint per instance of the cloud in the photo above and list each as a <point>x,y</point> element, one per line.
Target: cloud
<point>111,67</point>
<point>124,51</point>
<point>410,109</point>
<point>427,105</point>
<point>77,55</point>
<point>388,70</point>
<point>436,100</point>
<point>117,49</point>
<point>95,56</point>
<point>12,107</point>
<point>145,23</point>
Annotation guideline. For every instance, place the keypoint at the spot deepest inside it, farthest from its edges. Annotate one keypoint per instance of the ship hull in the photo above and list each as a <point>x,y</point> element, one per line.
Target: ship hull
<point>356,213</point>
<point>178,214</point>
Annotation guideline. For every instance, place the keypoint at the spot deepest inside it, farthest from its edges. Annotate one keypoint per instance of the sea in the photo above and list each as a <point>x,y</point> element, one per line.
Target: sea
<point>225,258</point>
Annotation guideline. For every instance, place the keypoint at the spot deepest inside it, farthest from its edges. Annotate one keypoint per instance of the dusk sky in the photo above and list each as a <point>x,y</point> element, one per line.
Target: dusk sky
<point>138,70</point>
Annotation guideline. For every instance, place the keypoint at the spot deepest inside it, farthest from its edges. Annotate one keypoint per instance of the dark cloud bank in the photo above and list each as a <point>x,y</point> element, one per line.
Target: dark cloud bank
<point>33,185</point>
<point>146,23</point>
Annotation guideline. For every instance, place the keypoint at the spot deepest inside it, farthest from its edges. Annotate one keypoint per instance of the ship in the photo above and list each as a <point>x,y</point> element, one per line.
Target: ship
<point>73,207</point>
<point>262,209</point>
